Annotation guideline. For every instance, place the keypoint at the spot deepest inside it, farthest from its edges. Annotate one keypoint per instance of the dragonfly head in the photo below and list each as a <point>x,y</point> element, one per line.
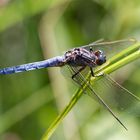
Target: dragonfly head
<point>100,57</point>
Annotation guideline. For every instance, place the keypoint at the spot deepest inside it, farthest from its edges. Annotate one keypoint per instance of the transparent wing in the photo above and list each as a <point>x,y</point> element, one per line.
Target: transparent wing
<point>121,101</point>
<point>80,80</point>
<point>110,48</point>
<point>117,97</point>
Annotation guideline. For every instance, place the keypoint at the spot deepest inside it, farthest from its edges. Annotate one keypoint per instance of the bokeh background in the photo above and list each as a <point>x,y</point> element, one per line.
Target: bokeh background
<point>37,30</point>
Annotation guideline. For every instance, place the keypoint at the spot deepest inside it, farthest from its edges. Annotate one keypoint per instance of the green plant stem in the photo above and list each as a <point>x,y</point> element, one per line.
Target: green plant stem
<point>130,54</point>
<point>122,62</point>
<point>60,117</point>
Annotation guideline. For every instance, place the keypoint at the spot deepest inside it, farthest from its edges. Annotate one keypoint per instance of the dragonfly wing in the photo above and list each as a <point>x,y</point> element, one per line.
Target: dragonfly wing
<point>112,93</point>
<point>81,80</point>
<point>118,98</point>
<point>110,48</point>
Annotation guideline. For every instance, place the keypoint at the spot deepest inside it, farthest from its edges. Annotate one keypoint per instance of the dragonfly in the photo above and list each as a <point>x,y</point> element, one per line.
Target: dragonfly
<point>78,60</point>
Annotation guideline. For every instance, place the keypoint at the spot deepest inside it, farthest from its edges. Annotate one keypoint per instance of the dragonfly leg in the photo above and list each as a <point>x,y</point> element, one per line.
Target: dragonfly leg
<point>98,75</point>
<point>73,76</point>
<point>92,73</point>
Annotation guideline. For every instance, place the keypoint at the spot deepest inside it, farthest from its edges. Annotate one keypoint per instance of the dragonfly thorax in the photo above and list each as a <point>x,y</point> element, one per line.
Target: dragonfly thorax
<point>83,57</point>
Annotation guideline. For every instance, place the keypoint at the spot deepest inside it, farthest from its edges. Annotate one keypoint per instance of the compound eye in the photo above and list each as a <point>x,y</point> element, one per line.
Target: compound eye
<point>101,60</point>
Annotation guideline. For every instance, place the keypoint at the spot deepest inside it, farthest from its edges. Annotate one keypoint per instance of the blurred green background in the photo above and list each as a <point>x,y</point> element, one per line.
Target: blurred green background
<point>37,30</point>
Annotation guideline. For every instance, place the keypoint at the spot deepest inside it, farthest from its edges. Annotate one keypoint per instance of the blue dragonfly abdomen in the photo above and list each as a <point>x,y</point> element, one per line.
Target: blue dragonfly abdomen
<point>52,62</point>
